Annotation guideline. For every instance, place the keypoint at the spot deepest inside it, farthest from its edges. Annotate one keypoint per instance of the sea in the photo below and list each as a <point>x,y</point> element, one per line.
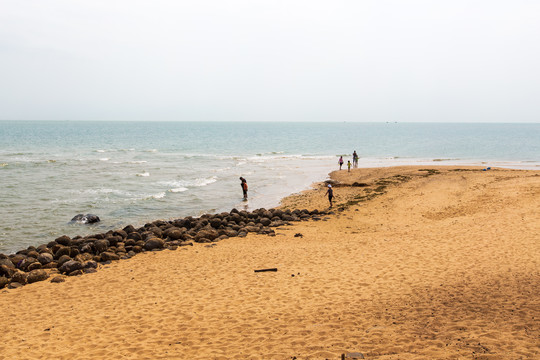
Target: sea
<point>138,172</point>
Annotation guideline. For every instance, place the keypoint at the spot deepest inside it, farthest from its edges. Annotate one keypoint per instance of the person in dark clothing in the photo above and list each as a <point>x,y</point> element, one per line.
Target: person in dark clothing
<point>244,186</point>
<point>330,193</point>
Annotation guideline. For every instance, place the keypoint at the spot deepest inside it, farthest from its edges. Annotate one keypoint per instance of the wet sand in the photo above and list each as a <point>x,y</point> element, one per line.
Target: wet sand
<point>416,263</point>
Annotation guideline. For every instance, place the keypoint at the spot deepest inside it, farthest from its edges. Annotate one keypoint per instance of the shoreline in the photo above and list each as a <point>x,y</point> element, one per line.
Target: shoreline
<point>439,263</point>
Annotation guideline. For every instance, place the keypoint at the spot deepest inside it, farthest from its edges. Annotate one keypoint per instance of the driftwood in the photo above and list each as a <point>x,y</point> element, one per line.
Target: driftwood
<point>265,270</point>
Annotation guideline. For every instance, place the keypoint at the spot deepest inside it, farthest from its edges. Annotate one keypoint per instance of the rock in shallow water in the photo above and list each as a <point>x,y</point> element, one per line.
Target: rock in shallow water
<point>85,219</point>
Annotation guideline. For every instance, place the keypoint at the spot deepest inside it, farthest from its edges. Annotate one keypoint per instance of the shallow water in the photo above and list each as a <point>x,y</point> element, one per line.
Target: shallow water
<point>135,172</point>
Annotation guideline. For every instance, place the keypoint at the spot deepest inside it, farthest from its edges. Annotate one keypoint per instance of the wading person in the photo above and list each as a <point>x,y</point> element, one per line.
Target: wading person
<point>340,162</point>
<point>244,186</point>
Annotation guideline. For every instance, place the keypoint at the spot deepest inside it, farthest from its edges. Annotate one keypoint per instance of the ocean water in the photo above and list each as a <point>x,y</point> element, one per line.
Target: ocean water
<point>136,172</point>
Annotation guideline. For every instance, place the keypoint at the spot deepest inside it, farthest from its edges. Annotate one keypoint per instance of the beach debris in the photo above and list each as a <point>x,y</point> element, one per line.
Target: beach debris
<point>85,219</point>
<point>298,235</point>
<point>266,270</point>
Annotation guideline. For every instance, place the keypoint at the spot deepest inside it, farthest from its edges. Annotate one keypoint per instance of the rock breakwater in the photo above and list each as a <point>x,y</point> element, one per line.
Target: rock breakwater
<point>78,255</point>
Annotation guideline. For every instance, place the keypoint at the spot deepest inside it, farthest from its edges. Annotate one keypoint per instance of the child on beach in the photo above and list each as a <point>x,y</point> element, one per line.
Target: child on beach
<point>244,186</point>
<point>340,162</point>
<point>330,193</point>
<point>349,166</point>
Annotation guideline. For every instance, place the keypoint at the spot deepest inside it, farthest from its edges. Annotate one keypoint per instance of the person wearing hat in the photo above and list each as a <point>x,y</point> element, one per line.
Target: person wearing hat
<point>330,193</point>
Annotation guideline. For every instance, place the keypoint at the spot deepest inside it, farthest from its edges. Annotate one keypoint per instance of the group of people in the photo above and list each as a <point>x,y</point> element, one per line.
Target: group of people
<point>354,163</point>
<point>329,191</point>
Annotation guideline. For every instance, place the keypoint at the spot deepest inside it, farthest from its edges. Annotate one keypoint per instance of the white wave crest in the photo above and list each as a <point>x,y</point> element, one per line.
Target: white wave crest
<point>143,174</point>
<point>177,190</point>
<point>104,159</point>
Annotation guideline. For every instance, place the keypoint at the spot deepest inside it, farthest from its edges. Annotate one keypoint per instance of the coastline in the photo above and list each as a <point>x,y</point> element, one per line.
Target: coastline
<point>416,262</point>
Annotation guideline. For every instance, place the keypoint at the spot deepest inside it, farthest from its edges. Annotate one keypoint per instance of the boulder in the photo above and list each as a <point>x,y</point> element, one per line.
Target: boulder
<point>63,240</point>
<point>37,275</point>
<point>63,259</point>
<point>63,250</point>
<point>7,262</point>
<point>265,221</point>
<point>45,258</point>
<point>70,266</point>
<point>153,243</point>
<point>101,246</point>
<point>3,282</point>
<point>208,234</point>
<point>6,271</point>
<point>76,272</point>
<point>33,266</point>
<point>86,219</point>
<point>108,256</point>
<point>19,277</point>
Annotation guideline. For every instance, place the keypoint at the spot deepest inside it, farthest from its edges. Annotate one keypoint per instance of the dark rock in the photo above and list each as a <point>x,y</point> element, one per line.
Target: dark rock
<point>101,246</point>
<point>63,259</point>
<point>58,279</point>
<point>298,235</point>
<point>7,262</point>
<point>63,240</point>
<point>265,221</point>
<point>135,236</point>
<point>64,250</point>
<point>208,234</point>
<point>174,233</point>
<point>19,277</point>
<point>45,258</point>
<point>87,248</point>
<point>230,232</point>
<point>85,219</point>
<point>89,270</point>
<point>215,223</point>
<point>51,265</point>
<point>108,256</point>
<point>37,275</point>
<point>114,240</point>
<point>153,243</point>
<point>121,233</point>
<point>76,273</point>
<point>242,233</point>
<point>33,254</point>
<point>131,253</point>
<point>129,229</point>
<point>3,282</point>
<point>70,266</point>
<point>202,240</point>
<point>14,285</point>
<point>33,266</point>
<point>137,249</point>
<point>91,264</point>
<point>6,271</point>
<point>17,259</point>
<point>23,265</point>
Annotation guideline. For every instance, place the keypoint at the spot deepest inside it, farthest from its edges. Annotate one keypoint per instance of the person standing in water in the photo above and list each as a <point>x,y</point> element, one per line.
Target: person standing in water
<point>355,159</point>
<point>330,193</point>
<point>244,186</point>
<point>340,162</point>
<point>349,166</point>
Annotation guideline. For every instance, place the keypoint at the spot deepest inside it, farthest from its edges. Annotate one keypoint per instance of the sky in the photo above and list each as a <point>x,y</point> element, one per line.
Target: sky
<point>204,60</point>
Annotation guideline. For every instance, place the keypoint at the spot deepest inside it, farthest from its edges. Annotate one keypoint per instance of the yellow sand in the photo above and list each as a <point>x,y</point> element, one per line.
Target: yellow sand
<point>437,266</point>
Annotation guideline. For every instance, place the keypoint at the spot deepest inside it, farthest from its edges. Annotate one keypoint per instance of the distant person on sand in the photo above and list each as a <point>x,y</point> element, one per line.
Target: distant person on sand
<point>244,186</point>
<point>355,159</point>
<point>340,162</point>
<point>330,193</point>
<point>349,166</point>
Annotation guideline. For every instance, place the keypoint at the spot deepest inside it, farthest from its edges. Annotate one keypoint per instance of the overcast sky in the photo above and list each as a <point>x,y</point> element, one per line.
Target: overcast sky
<point>357,60</point>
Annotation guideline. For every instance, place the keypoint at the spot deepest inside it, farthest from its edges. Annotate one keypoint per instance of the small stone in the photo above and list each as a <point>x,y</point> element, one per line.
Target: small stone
<point>58,279</point>
<point>14,285</point>
<point>75,273</point>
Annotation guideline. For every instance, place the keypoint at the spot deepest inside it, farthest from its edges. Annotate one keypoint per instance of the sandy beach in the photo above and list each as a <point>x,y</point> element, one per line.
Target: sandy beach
<point>415,263</point>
